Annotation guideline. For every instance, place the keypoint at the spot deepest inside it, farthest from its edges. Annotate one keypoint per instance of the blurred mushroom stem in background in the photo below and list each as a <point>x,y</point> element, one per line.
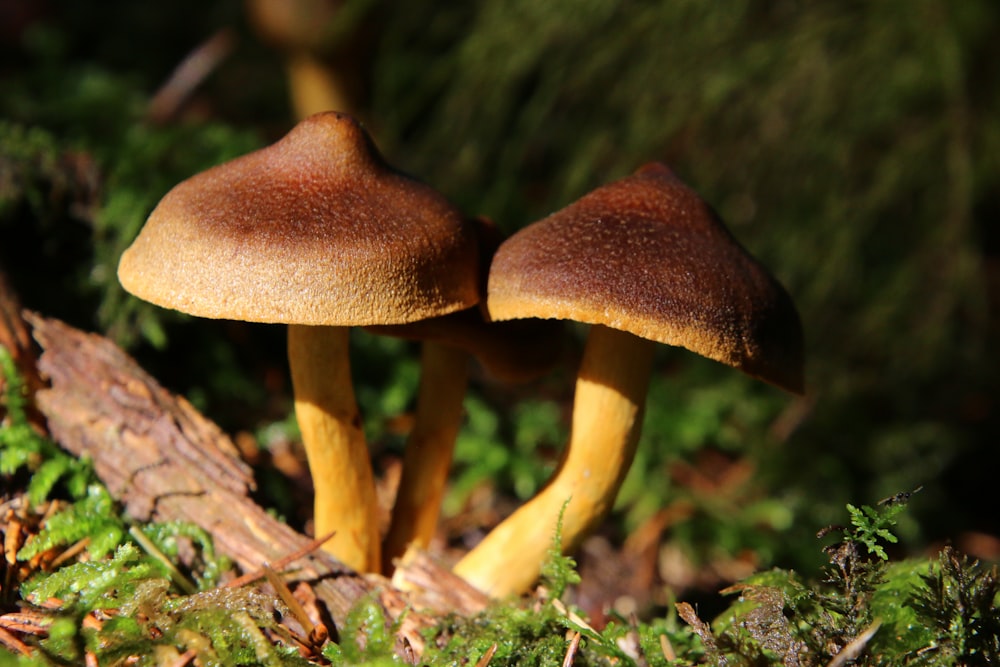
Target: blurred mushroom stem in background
<point>323,43</point>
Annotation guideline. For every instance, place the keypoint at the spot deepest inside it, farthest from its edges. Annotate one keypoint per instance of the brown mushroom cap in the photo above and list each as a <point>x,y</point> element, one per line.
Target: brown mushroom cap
<point>315,229</point>
<point>647,255</point>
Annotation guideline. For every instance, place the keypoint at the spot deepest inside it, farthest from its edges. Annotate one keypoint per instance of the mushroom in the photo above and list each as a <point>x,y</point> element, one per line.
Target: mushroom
<point>510,352</point>
<point>317,232</point>
<point>325,44</point>
<point>643,260</point>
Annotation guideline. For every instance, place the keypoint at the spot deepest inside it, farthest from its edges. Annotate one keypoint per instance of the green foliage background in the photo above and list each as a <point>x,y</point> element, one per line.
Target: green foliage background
<point>853,147</point>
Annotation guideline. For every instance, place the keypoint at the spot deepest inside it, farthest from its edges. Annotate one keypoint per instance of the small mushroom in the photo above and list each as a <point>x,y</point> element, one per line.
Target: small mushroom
<point>643,260</point>
<point>510,352</point>
<point>324,43</point>
<point>316,232</point>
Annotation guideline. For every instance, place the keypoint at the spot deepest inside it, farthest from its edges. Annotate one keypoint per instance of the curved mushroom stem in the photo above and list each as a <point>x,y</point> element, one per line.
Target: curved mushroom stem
<point>429,448</point>
<point>335,444</point>
<point>607,419</point>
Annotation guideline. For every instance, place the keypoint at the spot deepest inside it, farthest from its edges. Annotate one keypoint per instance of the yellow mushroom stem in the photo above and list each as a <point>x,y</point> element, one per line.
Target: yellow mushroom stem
<point>429,448</point>
<point>335,444</point>
<point>315,86</point>
<point>607,419</point>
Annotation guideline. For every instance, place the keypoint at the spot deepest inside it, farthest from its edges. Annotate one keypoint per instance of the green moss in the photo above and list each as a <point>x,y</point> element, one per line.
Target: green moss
<point>22,448</point>
<point>367,638</point>
<point>917,613</point>
<point>537,632</point>
<point>958,605</point>
<point>95,517</point>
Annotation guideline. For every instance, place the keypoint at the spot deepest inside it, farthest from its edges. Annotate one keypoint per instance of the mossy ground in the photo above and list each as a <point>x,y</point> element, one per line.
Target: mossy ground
<point>82,584</point>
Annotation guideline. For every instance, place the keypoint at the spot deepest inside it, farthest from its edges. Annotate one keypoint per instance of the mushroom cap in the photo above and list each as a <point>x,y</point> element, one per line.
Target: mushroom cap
<point>648,256</point>
<point>315,229</point>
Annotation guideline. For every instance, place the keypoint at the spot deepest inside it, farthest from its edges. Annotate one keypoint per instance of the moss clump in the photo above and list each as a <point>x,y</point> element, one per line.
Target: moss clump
<point>23,449</point>
<point>864,610</point>
<point>958,605</point>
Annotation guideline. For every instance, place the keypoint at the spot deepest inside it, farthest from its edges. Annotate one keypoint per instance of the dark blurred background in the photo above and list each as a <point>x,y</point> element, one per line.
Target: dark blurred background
<point>853,147</point>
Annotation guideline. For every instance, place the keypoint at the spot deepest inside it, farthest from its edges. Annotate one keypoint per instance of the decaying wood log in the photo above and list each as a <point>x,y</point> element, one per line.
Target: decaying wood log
<point>165,462</point>
<point>431,588</point>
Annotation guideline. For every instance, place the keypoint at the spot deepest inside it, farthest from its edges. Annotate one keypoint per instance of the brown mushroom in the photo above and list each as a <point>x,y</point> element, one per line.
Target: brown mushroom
<point>317,232</point>
<point>510,352</point>
<point>643,260</point>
